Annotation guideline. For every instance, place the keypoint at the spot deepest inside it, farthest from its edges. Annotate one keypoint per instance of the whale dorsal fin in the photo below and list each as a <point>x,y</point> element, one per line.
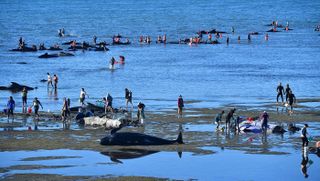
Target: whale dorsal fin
<point>179,139</point>
<point>113,131</point>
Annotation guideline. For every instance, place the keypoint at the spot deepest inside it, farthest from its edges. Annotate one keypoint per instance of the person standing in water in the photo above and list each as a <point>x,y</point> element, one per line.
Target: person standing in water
<point>229,116</point>
<point>111,63</point>
<point>55,81</point>
<point>288,89</point>
<point>121,59</point>
<point>280,91</point>
<point>128,96</point>
<point>36,104</point>
<point>24,95</point>
<point>292,99</point>
<point>218,118</point>
<point>109,102</point>
<point>94,40</point>
<point>10,107</point>
<point>83,95</point>
<point>49,80</point>
<point>164,39</point>
<point>180,105</point>
<point>264,121</point>
<point>266,37</point>
<point>140,113</point>
<point>64,110</point>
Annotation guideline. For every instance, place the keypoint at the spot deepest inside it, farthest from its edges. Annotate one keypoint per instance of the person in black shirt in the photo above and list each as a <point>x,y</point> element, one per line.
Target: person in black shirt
<point>229,116</point>
<point>280,91</point>
<point>292,99</point>
<point>287,92</point>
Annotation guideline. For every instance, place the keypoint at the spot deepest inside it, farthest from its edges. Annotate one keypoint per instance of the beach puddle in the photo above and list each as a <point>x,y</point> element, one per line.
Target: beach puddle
<point>29,123</point>
<point>172,165</point>
<point>200,127</point>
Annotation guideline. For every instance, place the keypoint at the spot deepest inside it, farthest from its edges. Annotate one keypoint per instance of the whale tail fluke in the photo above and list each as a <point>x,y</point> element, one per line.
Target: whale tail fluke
<point>179,139</point>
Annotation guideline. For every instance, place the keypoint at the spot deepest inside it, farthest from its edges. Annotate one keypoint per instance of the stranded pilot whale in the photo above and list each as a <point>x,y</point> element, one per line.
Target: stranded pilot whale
<point>129,139</point>
<point>15,87</point>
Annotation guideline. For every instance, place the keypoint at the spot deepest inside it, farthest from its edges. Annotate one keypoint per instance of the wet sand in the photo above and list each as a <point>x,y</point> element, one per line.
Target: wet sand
<point>164,124</point>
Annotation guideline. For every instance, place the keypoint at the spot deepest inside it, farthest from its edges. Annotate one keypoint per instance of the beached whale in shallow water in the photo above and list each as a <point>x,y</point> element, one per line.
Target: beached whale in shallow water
<point>15,87</point>
<point>130,139</point>
<point>46,55</point>
<point>273,30</point>
<point>25,49</point>
<point>55,55</point>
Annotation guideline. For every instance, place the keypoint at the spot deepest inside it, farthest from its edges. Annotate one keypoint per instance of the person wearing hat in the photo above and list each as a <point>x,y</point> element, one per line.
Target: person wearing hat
<point>180,105</point>
<point>36,104</point>
<point>304,135</point>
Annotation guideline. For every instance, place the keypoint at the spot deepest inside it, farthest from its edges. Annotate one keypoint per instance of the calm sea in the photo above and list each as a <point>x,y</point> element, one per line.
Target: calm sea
<point>216,75</point>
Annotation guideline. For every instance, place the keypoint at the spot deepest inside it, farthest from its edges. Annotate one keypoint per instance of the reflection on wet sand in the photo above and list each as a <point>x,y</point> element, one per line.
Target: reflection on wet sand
<point>117,155</point>
<point>304,162</point>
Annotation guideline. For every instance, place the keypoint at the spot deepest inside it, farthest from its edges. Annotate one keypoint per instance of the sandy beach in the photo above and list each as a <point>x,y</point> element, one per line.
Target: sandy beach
<point>198,133</point>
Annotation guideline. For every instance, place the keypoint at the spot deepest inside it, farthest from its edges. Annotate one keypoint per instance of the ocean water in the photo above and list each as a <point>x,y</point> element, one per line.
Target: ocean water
<point>216,75</point>
<point>165,165</point>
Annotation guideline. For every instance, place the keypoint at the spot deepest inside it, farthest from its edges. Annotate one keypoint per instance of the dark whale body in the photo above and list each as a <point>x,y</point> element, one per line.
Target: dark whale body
<point>15,87</point>
<point>129,139</point>
<point>46,55</point>
<point>25,49</point>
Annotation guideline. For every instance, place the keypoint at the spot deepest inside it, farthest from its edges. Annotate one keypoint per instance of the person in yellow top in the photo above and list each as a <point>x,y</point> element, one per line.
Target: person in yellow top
<point>24,95</point>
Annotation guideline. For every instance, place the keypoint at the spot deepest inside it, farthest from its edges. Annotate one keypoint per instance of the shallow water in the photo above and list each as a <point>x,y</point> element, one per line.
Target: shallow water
<point>237,165</point>
<point>214,74</point>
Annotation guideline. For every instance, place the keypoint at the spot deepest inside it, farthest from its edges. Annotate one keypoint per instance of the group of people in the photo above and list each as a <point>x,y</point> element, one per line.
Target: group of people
<point>11,104</point>
<point>52,81</point>
<point>108,106</point>
<point>231,115</point>
<point>290,97</point>
<point>147,39</point>
<point>113,61</point>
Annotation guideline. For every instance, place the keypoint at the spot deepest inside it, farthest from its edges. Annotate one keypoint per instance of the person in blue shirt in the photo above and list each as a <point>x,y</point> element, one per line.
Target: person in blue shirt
<point>10,107</point>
